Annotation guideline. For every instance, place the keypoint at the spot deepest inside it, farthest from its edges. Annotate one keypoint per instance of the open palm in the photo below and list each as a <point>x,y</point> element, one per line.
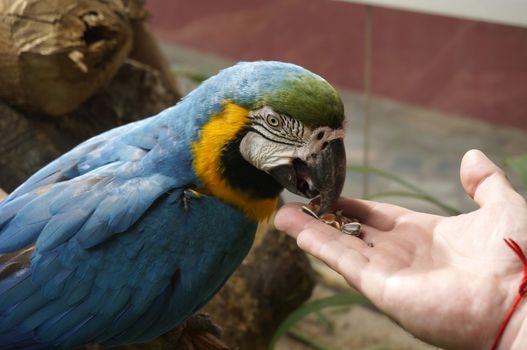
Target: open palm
<point>447,280</point>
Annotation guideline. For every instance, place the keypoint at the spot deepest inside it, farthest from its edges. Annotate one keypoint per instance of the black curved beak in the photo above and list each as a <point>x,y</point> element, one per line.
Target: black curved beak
<point>322,174</point>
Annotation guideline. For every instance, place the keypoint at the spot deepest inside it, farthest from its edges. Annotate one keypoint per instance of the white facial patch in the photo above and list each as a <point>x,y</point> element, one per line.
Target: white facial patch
<point>277,139</point>
<point>265,154</point>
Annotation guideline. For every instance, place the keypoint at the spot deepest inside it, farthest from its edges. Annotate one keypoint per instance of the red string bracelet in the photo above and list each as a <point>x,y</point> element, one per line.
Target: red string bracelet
<point>522,290</point>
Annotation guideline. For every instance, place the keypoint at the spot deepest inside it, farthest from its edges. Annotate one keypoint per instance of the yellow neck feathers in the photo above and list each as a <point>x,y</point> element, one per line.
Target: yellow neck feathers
<point>215,134</point>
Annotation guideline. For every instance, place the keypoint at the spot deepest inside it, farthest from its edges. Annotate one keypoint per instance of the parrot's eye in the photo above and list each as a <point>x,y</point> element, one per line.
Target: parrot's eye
<point>272,120</point>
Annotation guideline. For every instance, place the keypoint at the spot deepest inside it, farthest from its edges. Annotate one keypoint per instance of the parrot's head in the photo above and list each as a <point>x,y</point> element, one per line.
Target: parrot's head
<point>273,125</point>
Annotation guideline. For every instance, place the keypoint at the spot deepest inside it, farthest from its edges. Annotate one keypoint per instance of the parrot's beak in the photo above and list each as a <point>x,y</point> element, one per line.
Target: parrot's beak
<point>322,175</point>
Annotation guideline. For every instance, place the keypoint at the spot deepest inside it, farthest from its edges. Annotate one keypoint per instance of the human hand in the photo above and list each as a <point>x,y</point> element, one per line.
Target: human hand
<point>447,280</point>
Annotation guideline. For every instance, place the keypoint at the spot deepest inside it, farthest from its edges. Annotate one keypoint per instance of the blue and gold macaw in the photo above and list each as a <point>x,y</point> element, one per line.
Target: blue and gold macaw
<point>131,232</point>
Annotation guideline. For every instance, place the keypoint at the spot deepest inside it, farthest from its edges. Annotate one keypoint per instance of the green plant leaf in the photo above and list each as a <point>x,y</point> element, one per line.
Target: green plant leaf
<point>324,320</point>
<point>417,192</point>
<point>518,165</point>
<point>345,299</point>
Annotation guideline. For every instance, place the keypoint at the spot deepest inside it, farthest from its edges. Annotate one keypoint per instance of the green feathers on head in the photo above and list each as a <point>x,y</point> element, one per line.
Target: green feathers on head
<point>285,87</point>
<point>308,98</point>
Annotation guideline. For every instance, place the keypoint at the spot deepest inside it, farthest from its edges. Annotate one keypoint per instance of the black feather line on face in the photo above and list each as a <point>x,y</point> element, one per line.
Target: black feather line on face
<point>243,176</point>
<point>272,140</point>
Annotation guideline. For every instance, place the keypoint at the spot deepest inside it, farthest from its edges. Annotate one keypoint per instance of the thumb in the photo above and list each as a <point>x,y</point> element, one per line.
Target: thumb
<point>484,181</point>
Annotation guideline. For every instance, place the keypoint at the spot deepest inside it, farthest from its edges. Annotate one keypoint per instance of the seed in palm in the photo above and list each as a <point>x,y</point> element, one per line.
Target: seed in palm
<point>336,220</point>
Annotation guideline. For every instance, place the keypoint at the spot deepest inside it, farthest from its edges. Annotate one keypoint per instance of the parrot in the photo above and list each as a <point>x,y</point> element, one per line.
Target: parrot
<point>131,232</point>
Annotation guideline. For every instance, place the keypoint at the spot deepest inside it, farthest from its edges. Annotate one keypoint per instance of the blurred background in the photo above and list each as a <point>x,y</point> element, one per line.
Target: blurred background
<point>422,83</point>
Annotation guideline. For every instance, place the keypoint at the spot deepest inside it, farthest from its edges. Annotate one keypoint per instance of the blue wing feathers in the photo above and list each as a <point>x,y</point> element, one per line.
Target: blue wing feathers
<point>14,288</point>
<point>109,231</point>
<point>76,291</point>
<point>61,227</point>
<point>17,237</point>
<point>94,231</point>
<point>14,340</point>
<point>81,313</point>
<point>119,299</point>
<point>45,267</point>
<point>146,320</point>
<point>77,193</point>
<point>23,229</point>
<point>21,311</point>
<point>89,330</point>
<point>102,283</point>
<point>11,208</point>
<point>55,287</point>
<point>42,315</point>
<point>49,326</point>
<point>71,332</point>
<point>62,168</point>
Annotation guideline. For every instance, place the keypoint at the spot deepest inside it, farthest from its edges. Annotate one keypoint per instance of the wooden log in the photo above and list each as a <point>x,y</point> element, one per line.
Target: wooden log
<point>138,91</point>
<point>145,48</point>
<point>147,51</point>
<point>54,54</point>
<point>25,146</point>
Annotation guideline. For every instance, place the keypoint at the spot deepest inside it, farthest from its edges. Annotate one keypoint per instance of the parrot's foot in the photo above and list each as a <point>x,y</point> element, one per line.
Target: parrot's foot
<point>202,321</point>
<point>188,195</point>
<point>200,333</point>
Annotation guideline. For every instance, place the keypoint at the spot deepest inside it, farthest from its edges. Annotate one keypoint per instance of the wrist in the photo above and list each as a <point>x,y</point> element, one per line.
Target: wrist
<point>515,335</point>
<point>512,332</point>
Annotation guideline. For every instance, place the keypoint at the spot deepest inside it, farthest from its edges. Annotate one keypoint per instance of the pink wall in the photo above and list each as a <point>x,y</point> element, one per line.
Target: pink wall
<point>473,68</point>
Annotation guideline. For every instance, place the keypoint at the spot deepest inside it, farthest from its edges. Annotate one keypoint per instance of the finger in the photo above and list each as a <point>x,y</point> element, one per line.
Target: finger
<point>291,219</point>
<point>344,254</point>
<point>484,181</point>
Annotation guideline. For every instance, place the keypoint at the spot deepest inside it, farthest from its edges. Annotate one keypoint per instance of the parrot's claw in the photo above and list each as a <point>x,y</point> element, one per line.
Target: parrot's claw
<point>189,194</point>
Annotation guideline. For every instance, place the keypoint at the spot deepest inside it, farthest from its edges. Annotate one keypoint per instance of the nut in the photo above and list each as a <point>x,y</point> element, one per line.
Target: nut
<point>351,228</point>
<point>336,220</point>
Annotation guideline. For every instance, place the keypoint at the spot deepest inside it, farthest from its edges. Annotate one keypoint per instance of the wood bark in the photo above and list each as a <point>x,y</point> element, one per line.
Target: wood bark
<point>147,51</point>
